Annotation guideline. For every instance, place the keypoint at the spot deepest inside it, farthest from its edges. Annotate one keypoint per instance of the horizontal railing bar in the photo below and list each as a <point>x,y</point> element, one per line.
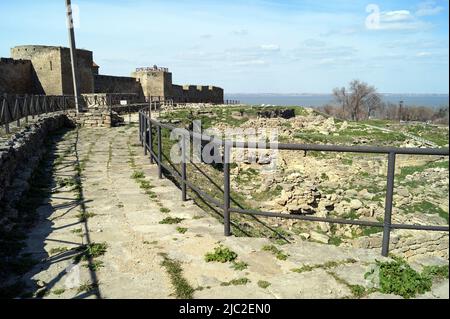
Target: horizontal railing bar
<point>420,227</point>
<point>337,220</point>
<point>307,218</point>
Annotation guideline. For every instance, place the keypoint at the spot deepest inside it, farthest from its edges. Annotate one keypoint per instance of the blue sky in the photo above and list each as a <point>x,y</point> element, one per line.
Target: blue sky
<point>252,46</point>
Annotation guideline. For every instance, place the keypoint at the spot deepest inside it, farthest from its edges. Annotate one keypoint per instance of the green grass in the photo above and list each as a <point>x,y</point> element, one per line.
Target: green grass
<point>279,254</point>
<point>91,251</point>
<point>353,215</point>
<point>397,277</point>
<point>182,230</point>
<point>246,176</point>
<point>325,266</point>
<point>273,192</point>
<point>426,208</point>
<point>84,216</point>
<point>59,291</point>
<point>370,230</point>
<point>171,221</point>
<point>146,185</point>
<point>138,175</point>
<point>183,290</point>
<point>263,284</point>
<point>67,182</point>
<point>436,272</point>
<point>239,265</point>
<point>95,265</point>
<point>335,240</point>
<point>87,287</point>
<point>409,170</point>
<point>428,132</point>
<point>357,291</point>
<point>351,136</point>
<point>164,210</point>
<point>236,282</point>
<point>221,254</point>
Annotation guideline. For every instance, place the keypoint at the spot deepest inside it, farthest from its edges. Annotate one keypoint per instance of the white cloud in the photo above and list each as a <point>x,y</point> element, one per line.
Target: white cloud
<point>396,19</point>
<point>423,54</point>
<point>428,8</point>
<point>399,20</point>
<point>396,16</point>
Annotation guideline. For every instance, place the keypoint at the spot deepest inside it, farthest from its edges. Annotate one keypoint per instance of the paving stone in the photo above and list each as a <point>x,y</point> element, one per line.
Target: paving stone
<point>127,220</point>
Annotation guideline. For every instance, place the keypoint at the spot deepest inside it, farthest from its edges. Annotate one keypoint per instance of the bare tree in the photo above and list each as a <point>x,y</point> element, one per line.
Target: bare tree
<point>360,99</point>
<point>341,96</point>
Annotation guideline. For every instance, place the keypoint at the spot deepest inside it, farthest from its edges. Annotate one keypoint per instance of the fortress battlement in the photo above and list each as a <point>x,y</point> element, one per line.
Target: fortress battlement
<point>12,61</point>
<point>152,69</point>
<point>42,69</point>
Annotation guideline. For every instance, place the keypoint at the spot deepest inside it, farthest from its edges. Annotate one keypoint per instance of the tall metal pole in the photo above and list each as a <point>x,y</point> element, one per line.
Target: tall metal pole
<point>73,55</point>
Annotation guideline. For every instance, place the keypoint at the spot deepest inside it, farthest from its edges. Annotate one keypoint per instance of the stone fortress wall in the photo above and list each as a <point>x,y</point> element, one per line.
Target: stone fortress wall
<point>52,69</point>
<point>16,76</point>
<point>37,69</point>
<point>117,84</point>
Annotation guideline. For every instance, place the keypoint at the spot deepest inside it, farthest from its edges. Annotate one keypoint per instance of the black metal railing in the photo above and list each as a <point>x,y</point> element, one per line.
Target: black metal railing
<point>147,125</point>
<point>20,108</point>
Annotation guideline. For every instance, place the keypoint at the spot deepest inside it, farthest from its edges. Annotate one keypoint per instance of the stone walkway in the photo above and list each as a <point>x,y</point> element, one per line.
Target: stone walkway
<point>125,214</point>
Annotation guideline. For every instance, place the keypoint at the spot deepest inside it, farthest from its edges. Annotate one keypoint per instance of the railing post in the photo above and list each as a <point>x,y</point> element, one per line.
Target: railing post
<point>144,116</point>
<point>140,128</point>
<point>3,114</point>
<point>45,105</point>
<point>388,204</point>
<point>226,191</point>
<point>7,115</point>
<point>25,107</point>
<point>17,111</point>
<point>33,107</point>
<point>183,168</point>
<point>38,106</point>
<point>160,175</point>
<point>150,139</point>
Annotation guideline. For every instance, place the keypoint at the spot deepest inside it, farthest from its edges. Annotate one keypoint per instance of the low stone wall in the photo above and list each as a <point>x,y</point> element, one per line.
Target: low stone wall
<point>96,118</point>
<point>410,244</point>
<point>132,108</point>
<point>20,154</point>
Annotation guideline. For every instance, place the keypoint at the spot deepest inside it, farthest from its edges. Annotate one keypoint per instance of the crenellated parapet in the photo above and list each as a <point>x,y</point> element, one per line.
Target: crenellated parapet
<point>40,69</point>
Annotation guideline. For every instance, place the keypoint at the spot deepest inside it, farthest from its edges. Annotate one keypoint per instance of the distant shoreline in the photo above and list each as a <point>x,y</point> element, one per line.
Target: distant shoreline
<point>316,100</point>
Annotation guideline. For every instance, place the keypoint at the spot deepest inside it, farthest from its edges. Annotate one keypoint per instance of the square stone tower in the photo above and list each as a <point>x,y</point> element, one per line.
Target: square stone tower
<point>52,73</point>
<point>156,82</point>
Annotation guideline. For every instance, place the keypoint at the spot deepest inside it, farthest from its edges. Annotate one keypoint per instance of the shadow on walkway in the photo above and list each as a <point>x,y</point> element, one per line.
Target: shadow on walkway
<point>22,248</point>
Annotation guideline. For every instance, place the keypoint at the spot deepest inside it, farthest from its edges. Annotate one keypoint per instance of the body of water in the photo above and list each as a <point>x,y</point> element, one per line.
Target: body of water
<point>316,100</point>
